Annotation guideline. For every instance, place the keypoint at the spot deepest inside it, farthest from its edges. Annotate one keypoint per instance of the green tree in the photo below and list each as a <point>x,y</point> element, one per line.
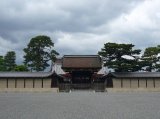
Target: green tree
<point>114,57</point>
<point>20,68</point>
<point>150,58</point>
<point>158,46</point>
<point>39,52</point>
<point>9,60</point>
<point>158,64</point>
<point>2,64</point>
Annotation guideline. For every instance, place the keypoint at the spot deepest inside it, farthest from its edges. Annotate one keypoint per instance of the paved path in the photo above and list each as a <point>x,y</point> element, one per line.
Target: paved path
<point>80,105</point>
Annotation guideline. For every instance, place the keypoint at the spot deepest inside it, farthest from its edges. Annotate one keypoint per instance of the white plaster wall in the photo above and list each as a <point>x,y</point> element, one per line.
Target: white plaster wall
<point>134,83</point>
<point>126,83</point>
<point>37,83</point>
<point>3,83</point>
<point>28,83</point>
<point>11,83</point>
<point>150,83</point>
<point>157,83</point>
<point>116,83</point>
<point>47,83</point>
<point>20,83</point>
<point>142,83</point>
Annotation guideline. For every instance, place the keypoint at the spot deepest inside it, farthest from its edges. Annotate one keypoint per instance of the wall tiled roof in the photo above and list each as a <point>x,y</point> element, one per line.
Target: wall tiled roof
<point>25,74</point>
<point>135,74</point>
<point>114,74</point>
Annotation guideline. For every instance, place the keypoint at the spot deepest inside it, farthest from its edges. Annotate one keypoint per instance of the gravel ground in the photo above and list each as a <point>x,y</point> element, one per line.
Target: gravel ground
<point>80,105</point>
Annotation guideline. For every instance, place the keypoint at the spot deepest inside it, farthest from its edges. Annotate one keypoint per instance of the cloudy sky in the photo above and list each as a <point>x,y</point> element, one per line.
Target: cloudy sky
<point>78,26</point>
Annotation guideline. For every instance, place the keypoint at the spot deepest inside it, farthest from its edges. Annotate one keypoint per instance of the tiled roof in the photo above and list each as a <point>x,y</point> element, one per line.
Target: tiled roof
<point>135,74</point>
<point>81,61</point>
<point>56,67</point>
<point>25,74</point>
<point>58,60</point>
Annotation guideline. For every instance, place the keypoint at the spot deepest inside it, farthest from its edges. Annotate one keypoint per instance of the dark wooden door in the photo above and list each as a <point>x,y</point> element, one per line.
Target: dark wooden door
<point>81,79</point>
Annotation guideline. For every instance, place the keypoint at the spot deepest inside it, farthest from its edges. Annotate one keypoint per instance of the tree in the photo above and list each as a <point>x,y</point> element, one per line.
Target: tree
<point>39,52</point>
<point>9,60</point>
<point>2,64</point>
<point>115,55</point>
<point>150,58</point>
<point>20,68</point>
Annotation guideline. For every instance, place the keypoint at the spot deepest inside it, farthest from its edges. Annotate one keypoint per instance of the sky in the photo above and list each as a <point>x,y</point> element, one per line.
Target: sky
<point>78,27</point>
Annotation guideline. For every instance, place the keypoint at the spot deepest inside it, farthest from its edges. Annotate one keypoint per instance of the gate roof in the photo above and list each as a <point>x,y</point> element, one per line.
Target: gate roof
<point>81,61</point>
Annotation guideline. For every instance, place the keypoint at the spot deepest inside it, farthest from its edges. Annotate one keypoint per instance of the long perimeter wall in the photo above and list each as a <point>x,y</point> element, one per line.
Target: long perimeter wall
<point>136,83</point>
<point>25,82</point>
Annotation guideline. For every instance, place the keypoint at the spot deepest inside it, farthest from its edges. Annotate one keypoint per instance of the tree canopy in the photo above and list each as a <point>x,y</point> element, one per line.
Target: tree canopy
<point>2,64</point>
<point>150,58</point>
<point>20,68</point>
<point>114,56</point>
<point>38,52</point>
<point>9,60</point>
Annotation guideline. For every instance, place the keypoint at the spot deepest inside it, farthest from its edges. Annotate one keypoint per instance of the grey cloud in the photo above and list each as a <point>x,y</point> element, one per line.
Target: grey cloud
<point>75,26</point>
<point>73,17</point>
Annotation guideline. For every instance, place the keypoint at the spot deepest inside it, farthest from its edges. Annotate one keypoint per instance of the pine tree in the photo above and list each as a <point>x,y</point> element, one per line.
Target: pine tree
<point>2,64</point>
<point>150,58</point>
<point>39,52</point>
<point>9,60</point>
<point>113,56</point>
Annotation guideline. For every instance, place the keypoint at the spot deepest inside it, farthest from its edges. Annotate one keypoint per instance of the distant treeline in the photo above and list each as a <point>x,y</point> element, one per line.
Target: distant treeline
<point>118,57</point>
<point>122,58</point>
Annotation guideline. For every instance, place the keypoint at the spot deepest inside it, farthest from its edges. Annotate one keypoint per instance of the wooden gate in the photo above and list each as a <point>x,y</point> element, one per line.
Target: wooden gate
<point>97,87</point>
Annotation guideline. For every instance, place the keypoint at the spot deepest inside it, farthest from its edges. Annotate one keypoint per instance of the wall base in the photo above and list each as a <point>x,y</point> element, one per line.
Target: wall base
<point>55,90</point>
<point>29,90</point>
<point>132,89</point>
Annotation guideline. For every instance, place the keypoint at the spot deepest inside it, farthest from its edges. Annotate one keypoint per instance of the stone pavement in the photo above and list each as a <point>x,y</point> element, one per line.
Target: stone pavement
<point>80,105</point>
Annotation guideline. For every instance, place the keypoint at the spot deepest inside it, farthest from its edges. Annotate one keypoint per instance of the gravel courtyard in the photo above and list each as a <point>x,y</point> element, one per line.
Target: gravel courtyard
<point>80,105</point>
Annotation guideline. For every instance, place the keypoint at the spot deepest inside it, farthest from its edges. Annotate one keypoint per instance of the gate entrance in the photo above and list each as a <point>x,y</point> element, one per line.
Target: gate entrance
<point>81,80</point>
<point>81,69</point>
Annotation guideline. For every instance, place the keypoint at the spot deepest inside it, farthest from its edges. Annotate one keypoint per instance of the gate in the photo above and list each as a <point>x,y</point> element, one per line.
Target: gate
<point>82,86</point>
<point>97,87</point>
<point>64,87</point>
